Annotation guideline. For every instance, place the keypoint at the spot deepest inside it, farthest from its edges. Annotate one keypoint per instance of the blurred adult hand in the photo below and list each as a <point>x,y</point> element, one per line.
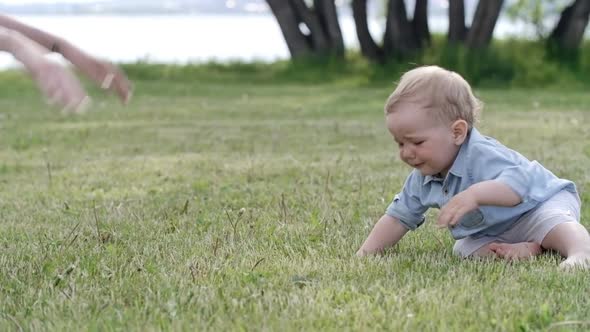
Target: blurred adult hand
<point>106,75</point>
<point>59,86</point>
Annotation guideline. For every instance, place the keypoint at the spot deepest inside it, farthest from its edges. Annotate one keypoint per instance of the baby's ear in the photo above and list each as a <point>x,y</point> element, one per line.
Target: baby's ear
<point>459,129</point>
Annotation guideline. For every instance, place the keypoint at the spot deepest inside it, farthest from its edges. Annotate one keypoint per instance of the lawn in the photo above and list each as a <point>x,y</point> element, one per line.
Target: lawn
<point>224,204</point>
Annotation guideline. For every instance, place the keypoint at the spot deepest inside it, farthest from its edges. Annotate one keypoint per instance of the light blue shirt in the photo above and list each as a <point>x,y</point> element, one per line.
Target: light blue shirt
<point>480,158</point>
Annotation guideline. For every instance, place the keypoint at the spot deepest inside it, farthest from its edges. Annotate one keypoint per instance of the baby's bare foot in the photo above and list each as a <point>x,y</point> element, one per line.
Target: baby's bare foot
<point>516,251</point>
<point>578,261</point>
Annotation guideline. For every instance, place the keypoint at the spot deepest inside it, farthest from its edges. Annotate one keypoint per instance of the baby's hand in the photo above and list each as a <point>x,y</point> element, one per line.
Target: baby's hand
<point>59,86</point>
<point>456,208</point>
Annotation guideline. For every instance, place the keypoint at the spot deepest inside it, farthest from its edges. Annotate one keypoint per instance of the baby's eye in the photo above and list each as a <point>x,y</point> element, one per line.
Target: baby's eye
<point>419,142</point>
<point>400,144</point>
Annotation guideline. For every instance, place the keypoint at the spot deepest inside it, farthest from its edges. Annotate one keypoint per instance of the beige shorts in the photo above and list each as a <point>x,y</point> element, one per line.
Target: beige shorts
<point>533,226</point>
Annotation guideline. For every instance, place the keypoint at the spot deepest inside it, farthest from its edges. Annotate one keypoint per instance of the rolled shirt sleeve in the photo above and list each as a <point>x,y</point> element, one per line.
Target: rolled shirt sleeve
<point>406,206</point>
<point>528,179</point>
<point>496,162</point>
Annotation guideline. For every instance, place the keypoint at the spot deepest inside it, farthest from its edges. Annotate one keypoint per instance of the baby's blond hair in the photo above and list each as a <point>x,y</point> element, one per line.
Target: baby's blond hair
<point>445,93</point>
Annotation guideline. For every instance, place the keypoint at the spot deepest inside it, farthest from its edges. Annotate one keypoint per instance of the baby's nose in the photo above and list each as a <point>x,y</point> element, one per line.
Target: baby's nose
<point>407,153</point>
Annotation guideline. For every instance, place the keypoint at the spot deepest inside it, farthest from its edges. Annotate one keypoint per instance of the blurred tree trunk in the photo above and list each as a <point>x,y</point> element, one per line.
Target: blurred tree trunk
<point>296,41</point>
<point>402,36</point>
<point>326,10</point>
<point>420,23</point>
<point>481,31</point>
<point>369,47</point>
<point>457,29</point>
<point>399,38</point>
<point>322,36</point>
<point>316,31</point>
<point>569,31</point>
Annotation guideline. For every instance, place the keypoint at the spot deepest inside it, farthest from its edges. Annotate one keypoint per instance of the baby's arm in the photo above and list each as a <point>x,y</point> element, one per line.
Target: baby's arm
<point>386,233</point>
<point>491,192</point>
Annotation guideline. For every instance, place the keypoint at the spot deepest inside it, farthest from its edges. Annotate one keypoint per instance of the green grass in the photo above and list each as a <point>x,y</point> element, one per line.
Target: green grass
<point>227,204</point>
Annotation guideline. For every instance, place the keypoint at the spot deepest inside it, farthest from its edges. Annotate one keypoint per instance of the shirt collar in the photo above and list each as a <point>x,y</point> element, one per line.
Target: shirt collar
<point>459,166</point>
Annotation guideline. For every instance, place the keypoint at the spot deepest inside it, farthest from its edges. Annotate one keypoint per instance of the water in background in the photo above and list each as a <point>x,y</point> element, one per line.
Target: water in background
<point>194,38</point>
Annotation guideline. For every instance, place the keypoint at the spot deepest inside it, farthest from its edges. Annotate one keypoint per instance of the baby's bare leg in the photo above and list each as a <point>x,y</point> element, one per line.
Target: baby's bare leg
<point>516,251</point>
<point>572,241</point>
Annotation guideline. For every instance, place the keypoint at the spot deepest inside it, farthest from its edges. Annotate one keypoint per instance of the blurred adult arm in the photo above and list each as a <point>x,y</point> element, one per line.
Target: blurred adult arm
<point>105,74</point>
<point>57,84</point>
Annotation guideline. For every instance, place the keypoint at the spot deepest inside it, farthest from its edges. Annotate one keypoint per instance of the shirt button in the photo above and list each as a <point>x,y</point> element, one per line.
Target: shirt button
<point>446,191</point>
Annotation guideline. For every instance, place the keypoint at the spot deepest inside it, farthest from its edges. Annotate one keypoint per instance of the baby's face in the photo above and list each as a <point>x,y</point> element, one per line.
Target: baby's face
<point>424,142</point>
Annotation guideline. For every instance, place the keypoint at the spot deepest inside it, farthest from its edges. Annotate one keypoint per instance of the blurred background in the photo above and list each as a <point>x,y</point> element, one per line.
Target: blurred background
<point>197,31</point>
